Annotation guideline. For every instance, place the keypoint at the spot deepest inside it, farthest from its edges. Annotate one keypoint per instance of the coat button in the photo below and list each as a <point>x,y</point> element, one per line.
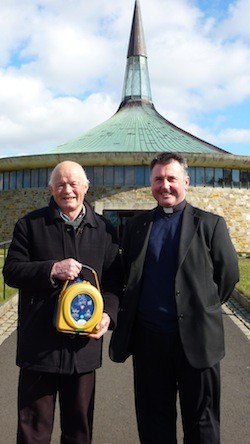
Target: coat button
<point>177,293</point>
<point>181,316</point>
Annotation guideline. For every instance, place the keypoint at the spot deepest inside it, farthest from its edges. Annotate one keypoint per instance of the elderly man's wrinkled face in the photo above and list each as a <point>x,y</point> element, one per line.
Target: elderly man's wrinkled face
<point>68,188</point>
<point>169,183</point>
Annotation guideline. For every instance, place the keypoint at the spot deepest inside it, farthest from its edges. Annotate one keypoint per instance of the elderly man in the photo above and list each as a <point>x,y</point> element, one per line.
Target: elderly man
<point>49,247</point>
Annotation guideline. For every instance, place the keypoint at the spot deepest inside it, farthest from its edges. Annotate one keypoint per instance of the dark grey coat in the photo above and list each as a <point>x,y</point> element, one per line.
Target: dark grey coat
<point>40,239</point>
<point>206,275</point>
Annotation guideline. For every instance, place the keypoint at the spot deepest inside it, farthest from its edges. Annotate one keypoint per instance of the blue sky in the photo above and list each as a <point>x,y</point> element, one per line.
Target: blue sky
<point>62,65</point>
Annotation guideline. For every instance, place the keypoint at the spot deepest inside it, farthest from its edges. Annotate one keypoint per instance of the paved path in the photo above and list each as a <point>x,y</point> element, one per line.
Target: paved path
<point>8,318</point>
<point>114,413</point>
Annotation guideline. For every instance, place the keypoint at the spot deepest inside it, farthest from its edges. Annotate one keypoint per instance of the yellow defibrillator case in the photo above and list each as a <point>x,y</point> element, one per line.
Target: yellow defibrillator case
<point>80,306</point>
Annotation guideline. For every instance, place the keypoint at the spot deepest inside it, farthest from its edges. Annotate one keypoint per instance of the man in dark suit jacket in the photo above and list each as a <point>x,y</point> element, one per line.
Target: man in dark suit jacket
<point>180,266</point>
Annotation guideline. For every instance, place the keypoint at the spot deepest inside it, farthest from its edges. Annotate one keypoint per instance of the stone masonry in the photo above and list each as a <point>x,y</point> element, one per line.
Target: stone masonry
<point>232,204</point>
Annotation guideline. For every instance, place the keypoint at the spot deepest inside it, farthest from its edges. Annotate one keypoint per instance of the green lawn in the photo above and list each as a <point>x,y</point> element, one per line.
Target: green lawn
<point>8,291</point>
<point>243,285</point>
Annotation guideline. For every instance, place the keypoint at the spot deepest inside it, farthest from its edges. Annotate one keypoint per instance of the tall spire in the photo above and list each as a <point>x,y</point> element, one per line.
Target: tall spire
<point>136,126</point>
<point>136,81</point>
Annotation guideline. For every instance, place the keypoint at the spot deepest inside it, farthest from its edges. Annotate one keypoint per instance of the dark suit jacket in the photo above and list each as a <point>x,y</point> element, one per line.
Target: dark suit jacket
<point>206,275</point>
<point>40,239</point>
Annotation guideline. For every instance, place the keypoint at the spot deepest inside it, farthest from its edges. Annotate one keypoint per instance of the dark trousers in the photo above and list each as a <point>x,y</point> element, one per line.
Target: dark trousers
<point>160,370</point>
<point>36,405</point>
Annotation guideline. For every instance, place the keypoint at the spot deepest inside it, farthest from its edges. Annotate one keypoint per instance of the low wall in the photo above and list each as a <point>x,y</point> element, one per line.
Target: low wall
<point>232,204</point>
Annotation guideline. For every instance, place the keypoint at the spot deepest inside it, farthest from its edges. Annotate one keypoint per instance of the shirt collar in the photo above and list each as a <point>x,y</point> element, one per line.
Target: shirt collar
<point>78,218</point>
<point>168,211</point>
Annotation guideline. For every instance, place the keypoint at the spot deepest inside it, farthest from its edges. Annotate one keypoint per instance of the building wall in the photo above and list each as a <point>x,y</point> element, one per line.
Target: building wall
<point>232,204</point>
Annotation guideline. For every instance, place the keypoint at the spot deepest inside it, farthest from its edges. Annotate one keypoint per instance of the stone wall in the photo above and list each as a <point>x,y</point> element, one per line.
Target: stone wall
<point>232,204</point>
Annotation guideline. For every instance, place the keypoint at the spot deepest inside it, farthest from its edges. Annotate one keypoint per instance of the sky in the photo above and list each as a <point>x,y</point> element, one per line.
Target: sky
<point>62,66</point>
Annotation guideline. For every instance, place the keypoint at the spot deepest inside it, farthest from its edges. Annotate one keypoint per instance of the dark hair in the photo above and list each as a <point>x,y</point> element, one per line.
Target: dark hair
<point>165,158</point>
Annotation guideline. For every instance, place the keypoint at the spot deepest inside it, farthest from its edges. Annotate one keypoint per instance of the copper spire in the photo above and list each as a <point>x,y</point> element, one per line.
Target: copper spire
<point>136,81</point>
<point>137,41</point>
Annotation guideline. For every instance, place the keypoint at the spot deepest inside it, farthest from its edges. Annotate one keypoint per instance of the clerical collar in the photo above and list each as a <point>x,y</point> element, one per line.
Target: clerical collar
<point>169,210</point>
<point>78,218</point>
<point>175,209</point>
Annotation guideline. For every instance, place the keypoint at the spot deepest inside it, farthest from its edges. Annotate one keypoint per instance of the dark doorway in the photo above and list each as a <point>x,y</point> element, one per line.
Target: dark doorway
<point>118,219</point>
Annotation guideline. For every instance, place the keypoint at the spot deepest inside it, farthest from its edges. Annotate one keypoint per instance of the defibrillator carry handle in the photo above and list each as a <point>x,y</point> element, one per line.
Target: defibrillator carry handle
<point>93,272</point>
<point>95,276</point>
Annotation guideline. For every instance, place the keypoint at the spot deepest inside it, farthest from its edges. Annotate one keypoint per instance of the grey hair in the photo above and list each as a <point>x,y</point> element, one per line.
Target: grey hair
<point>58,166</point>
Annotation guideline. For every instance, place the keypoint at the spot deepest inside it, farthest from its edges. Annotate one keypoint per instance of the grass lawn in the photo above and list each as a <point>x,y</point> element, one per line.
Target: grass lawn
<point>8,291</point>
<point>243,285</point>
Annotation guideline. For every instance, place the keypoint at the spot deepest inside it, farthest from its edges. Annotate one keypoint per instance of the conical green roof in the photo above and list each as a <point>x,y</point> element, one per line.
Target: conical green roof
<point>136,127</point>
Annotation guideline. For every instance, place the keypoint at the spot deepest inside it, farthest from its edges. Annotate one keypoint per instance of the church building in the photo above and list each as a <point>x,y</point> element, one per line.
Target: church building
<point>116,156</point>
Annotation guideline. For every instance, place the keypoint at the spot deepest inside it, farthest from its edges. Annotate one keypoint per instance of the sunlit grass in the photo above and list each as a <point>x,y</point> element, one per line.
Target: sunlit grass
<point>243,285</point>
<point>8,290</point>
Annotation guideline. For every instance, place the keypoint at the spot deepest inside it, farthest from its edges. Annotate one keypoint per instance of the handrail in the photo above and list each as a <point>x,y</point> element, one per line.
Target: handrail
<point>4,246</point>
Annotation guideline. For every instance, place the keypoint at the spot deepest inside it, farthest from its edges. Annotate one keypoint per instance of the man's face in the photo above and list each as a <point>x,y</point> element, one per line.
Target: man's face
<point>68,189</point>
<point>169,184</point>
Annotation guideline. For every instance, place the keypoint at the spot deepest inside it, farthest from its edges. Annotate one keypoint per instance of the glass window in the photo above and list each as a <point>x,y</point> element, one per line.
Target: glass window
<point>119,218</point>
<point>129,175</point>
<point>218,177</point>
<point>12,180</point>
<point>244,179</point>
<point>191,173</point>
<point>6,180</point>
<point>26,179</point>
<point>236,178</point>
<point>199,176</point>
<point>209,176</point>
<point>42,177</point>
<point>139,176</point>
<point>34,178</point>
<point>112,216</point>
<point>108,176</point>
<point>98,176</point>
<point>147,176</point>
<point>19,179</point>
<point>118,175</point>
<point>227,176</point>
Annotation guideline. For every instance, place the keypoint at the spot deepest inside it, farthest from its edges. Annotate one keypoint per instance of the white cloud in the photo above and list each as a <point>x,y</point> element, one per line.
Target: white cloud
<point>234,135</point>
<point>38,121</point>
<point>62,66</point>
<point>237,24</point>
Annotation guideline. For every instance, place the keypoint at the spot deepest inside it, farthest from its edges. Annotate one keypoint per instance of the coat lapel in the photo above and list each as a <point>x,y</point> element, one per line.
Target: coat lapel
<point>189,227</point>
<point>136,256</point>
